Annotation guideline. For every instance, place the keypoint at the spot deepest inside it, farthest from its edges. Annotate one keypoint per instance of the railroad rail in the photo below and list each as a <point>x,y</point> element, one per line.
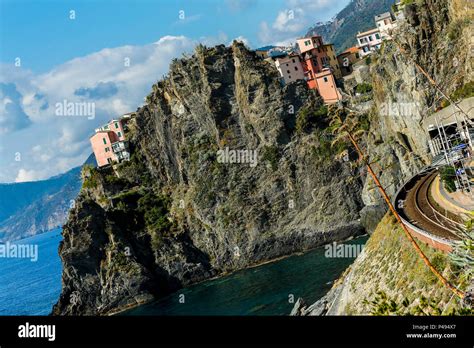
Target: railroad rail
<point>422,216</point>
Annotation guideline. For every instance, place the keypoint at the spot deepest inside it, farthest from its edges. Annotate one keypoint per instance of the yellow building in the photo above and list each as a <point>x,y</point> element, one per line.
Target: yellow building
<point>333,62</point>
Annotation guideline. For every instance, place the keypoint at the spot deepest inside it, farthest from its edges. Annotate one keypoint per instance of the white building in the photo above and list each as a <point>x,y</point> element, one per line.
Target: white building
<point>368,41</point>
<point>290,68</point>
<point>385,24</point>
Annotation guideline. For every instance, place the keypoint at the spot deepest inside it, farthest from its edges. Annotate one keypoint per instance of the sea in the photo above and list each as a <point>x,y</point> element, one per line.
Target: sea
<point>31,288</point>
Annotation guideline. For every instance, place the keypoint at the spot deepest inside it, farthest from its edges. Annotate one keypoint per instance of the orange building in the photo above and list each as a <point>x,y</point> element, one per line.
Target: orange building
<point>317,68</point>
<point>326,86</point>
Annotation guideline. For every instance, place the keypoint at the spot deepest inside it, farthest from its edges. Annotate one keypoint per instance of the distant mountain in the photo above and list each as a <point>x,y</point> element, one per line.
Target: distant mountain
<point>30,208</point>
<point>357,16</point>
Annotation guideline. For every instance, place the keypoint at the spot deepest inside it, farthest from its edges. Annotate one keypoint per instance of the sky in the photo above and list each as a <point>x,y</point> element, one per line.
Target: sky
<point>108,53</point>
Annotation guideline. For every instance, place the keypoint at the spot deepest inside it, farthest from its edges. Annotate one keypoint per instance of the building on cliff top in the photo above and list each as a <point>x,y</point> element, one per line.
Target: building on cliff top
<point>289,67</point>
<point>310,60</point>
<point>109,144</point>
<point>347,58</point>
<point>368,41</point>
<point>385,24</point>
<point>320,64</point>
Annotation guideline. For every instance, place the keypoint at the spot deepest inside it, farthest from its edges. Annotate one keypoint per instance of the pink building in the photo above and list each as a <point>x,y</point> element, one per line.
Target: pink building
<point>326,86</point>
<point>109,145</point>
<point>317,66</point>
<point>115,126</point>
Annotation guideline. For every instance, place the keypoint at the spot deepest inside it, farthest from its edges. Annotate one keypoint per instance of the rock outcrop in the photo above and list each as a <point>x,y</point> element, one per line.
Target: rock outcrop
<point>437,35</point>
<point>176,214</point>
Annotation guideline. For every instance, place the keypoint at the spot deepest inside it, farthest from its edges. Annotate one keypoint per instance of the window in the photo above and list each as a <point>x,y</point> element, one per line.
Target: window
<point>289,77</point>
<point>116,124</point>
<point>325,79</point>
<point>109,160</point>
<point>307,43</point>
<point>296,68</point>
<point>288,71</point>
<point>119,134</point>
<point>293,60</point>
<point>361,41</point>
<point>370,38</point>
<point>105,141</point>
<point>107,149</point>
<point>377,36</point>
<point>386,21</point>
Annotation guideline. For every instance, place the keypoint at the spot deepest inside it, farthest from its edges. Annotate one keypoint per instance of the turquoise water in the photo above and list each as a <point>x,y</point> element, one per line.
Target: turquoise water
<point>264,290</point>
<point>31,288</point>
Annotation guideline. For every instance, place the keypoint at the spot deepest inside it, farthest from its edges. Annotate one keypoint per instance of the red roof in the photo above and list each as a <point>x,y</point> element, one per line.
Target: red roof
<point>353,49</point>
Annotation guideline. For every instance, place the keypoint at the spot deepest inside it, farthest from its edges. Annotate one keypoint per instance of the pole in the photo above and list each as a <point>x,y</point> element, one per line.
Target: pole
<point>442,141</point>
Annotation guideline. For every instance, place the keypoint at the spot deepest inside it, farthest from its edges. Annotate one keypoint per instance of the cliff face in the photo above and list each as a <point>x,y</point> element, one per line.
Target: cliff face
<point>389,271</point>
<point>437,36</point>
<point>177,215</point>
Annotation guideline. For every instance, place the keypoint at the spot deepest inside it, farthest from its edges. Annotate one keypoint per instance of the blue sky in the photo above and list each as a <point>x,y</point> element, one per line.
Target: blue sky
<point>47,57</point>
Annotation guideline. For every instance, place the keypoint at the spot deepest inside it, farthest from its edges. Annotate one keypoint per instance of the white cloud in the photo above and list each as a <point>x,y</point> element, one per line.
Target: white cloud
<point>296,19</point>
<point>28,175</point>
<point>242,39</point>
<point>115,79</point>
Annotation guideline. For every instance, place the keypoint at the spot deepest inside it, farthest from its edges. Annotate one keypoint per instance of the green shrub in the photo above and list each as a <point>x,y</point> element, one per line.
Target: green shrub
<point>155,212</point>
<point>455,28</point>
<point>112,179</point>
<point>447,177</point>
<point>463,92</point>
<point>325,150</point>
<point>309,116</point>
<point>271,155</point>
<point>364,122</point>
<point>92,179</point>
<point>363,88</point>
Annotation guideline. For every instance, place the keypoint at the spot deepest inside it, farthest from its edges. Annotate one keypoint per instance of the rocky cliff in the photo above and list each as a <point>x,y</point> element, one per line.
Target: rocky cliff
<point>389,278</point>
<point>436,35</point>
<point>181,211</point>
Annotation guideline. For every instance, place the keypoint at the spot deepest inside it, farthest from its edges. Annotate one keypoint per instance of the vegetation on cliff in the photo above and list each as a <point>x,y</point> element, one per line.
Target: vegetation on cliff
<point>180,215</point>
<point>389,278</point>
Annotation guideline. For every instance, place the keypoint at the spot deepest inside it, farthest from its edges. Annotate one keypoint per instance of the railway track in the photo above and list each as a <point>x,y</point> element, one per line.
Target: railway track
<point>421,210</point>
